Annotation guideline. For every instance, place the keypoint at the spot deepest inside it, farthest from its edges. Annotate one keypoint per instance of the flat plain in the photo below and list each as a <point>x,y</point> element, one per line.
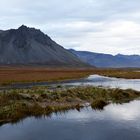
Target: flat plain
<point>25,74</point>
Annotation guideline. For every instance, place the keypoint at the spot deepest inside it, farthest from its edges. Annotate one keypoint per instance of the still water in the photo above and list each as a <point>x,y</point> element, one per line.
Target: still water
<point>115,122</point>
<point>97,80</point>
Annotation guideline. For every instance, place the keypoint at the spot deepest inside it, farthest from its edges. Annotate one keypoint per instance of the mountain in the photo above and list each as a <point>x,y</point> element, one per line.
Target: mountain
<point>29,46</point>
<point>107,60</point>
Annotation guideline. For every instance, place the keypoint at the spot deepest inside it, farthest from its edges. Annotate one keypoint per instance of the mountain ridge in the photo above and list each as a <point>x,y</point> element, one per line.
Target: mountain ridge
<point>30,46</point>
<point>102,60</point>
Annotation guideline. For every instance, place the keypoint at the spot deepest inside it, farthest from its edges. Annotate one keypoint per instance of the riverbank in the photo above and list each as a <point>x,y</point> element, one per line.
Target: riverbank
<point>120,73</point>
<point>21,103</point>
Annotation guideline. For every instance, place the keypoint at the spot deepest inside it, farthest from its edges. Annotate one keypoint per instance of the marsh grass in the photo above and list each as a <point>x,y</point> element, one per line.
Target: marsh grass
<point>17,104</point>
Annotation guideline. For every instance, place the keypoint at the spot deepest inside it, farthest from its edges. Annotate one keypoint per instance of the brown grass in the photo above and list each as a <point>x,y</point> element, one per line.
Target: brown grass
<point>120,73</point>
<point>10,75</point>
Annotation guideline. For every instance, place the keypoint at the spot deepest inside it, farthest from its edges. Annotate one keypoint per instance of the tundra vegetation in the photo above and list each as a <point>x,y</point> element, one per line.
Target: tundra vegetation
<point>10,75</point>
<point>17,104</point>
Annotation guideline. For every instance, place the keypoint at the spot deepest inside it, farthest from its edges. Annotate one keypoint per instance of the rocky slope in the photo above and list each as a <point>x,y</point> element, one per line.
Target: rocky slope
<point>29,46</point>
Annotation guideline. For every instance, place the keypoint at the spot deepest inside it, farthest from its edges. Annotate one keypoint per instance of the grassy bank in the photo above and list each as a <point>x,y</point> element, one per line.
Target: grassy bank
<point>119,73</point>
<point>26,74</point>
<point>9,75</point>
<point>21,103</point>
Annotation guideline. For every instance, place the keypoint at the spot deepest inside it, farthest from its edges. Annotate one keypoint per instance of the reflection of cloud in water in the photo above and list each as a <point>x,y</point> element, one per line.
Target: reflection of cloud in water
<point>128,111</point>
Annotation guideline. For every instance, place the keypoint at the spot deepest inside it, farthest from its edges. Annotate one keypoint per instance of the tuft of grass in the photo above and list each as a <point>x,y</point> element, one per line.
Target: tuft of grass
<point>99,104</point>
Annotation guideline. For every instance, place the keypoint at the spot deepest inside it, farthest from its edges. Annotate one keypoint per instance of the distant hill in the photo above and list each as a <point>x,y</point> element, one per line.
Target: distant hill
<point>108,61</point>
<point>29,46</point>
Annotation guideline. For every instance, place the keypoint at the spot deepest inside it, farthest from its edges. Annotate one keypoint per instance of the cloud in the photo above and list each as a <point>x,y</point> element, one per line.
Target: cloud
<point>97,25</point>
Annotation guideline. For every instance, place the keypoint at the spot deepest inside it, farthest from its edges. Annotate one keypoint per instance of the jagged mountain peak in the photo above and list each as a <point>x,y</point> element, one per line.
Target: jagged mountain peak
<point>23,27</point>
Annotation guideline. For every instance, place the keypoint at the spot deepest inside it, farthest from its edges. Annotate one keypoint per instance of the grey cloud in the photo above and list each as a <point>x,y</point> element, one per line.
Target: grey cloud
<point>61,18</point>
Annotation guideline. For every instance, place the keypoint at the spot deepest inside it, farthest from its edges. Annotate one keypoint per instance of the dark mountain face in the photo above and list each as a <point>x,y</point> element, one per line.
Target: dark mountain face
<point>31,46</point>
<point>108,61</point>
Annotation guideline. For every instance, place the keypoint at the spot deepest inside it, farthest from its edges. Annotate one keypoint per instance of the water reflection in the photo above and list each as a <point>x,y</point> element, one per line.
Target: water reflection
<point>126,111</point>
<point>117,122</point>
<point>97,80</point>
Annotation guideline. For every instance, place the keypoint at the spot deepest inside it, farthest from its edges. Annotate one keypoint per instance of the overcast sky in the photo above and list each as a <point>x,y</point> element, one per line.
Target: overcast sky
<point>107,26</point>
